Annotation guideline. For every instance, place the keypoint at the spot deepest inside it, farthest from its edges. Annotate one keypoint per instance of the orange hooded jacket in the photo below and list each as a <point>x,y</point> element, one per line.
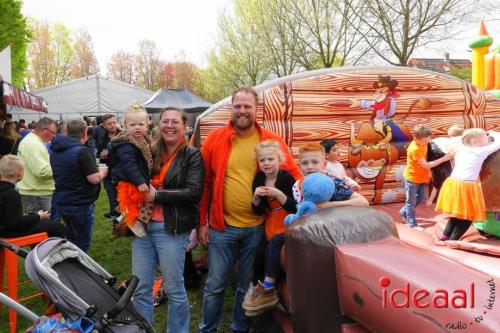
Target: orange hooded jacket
<point>216,151</point>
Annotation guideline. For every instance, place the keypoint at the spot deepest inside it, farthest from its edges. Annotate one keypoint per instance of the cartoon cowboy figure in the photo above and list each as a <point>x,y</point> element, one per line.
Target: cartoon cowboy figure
<point>383,107</point>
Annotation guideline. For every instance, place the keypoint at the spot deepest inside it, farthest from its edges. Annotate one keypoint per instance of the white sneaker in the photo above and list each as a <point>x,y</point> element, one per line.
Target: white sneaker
<point>138,229</point>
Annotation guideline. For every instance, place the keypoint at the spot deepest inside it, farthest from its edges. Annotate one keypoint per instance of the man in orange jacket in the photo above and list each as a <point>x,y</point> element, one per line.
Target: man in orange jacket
<point>231,229</point>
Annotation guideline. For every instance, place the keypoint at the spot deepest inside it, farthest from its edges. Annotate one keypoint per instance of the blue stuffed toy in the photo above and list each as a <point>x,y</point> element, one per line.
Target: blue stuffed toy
<point>316,188</point>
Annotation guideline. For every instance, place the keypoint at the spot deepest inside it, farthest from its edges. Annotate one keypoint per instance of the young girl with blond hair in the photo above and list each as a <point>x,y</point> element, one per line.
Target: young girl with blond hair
<point>273,198</point>
<point>461,196</point>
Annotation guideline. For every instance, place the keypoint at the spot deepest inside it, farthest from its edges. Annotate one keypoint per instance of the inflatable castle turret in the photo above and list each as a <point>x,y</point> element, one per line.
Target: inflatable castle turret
<point>485,64</point>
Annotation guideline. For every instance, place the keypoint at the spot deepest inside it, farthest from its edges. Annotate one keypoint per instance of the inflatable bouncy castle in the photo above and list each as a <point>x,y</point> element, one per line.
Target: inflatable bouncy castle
<point>485,62</point>
<point>359,270</point>
<point>369,111</point>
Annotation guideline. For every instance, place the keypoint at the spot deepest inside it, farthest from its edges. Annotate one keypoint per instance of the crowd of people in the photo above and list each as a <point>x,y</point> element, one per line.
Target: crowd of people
<point>233,195</point>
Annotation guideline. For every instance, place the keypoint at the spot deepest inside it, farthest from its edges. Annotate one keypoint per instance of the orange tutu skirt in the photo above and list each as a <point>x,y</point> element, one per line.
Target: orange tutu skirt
<point>461,199</point>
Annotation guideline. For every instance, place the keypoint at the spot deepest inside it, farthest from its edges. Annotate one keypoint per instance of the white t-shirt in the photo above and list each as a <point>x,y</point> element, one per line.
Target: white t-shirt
<point>469,160</point>
<point>336,169</point>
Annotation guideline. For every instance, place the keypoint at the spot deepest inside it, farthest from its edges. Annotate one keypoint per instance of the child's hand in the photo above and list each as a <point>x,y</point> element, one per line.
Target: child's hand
<point>143,188</point>
<point>260,191</point>
<point>450,155</point>
<point>273,192</point>
<point>428,203</point>
<point>355,187</point>
<point>44,215</point>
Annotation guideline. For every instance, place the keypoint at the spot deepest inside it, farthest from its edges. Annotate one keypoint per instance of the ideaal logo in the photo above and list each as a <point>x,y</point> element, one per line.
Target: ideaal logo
<point>439,299</point>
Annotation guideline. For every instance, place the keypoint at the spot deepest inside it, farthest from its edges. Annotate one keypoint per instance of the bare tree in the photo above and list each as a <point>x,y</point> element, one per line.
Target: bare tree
<point>121,66</point>
<point>148,66</point>
<point>325,33</point>
<point>394,29</point>
<point>84,61</point>
<point>42,63</point>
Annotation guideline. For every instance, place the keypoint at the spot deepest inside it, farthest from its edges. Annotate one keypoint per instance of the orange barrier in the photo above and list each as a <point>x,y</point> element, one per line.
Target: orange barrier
<point>9,263</point>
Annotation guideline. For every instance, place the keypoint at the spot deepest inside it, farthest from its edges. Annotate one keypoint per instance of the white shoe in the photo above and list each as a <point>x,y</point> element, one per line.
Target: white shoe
<point>138,229</point>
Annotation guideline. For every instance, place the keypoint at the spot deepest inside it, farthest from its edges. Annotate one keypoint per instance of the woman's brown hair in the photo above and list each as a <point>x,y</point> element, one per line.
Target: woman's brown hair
<point>158,148</point>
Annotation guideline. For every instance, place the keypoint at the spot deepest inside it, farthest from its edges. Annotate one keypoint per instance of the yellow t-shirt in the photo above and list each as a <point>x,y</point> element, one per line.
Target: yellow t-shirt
<point>237,193</point>
<point>413,171</point>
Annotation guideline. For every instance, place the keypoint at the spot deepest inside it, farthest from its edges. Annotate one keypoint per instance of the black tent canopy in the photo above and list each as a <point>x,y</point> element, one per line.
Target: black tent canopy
<point>180,98</point>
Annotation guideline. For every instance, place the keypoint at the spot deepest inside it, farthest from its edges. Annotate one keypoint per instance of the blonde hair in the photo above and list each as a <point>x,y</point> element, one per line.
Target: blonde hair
<point>134,108</point>
<point>10,132</point>
<point>455,130</point>
<point>10,166</point>
<point>471,134</point>
<point>312,147</point>
<point>269,145</point>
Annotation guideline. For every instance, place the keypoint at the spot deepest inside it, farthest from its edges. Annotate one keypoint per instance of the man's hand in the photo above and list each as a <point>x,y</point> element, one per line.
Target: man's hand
<point>203,234</point>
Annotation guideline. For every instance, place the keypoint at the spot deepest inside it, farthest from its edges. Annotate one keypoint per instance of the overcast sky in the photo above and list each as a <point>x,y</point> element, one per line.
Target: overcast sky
<point>174,25</point>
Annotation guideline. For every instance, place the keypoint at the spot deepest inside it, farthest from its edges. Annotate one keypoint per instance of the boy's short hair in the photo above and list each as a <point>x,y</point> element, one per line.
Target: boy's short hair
<point>10,166</point>
<point>311,147</point>
<point>421,131</point>
<point>328,144</point>
<point>455,130</point>
<point>270,145</point>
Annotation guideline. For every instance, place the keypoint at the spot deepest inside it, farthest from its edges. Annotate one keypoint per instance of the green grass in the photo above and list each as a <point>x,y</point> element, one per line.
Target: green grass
<point>115,257</point>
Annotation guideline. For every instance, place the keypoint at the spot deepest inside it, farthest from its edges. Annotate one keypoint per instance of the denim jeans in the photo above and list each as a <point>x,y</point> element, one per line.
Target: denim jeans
<point>160,247</point>
<point>225,249</point>
<point>34,203</point>
<point>273,254</point>
<point>111,192</point>
<point>415,194</point>
<point>79,222</point>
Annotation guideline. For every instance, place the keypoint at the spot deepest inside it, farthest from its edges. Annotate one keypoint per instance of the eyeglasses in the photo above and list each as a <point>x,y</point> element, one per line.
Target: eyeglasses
<point>172,122</point>
<point>48,129</point>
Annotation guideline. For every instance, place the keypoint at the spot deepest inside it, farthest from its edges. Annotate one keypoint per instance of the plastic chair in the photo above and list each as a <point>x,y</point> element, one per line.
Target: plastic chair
<point>9,263</point>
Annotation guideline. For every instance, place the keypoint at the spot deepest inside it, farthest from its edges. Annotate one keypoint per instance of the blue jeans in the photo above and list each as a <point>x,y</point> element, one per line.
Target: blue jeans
<point>160,247</point>
<point>415,194</point>
<point>79,222</point>
<point>225,248</point>
<point>111,192</point>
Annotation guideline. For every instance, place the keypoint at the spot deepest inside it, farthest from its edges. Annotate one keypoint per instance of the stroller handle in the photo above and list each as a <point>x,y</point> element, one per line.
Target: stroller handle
<point>124,299</point>
<point>16,249</point>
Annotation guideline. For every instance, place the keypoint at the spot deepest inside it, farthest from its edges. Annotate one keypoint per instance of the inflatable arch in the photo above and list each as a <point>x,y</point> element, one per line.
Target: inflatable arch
<point>369,111</point>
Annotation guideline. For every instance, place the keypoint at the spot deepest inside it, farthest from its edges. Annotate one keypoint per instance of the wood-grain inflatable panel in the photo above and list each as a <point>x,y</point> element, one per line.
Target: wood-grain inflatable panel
<point>343,104</point>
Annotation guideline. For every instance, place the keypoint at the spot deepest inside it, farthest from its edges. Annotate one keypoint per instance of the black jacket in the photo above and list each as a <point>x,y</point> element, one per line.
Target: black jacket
<point>182,189</point>
<point>284,183</point>
<point>11,211</point>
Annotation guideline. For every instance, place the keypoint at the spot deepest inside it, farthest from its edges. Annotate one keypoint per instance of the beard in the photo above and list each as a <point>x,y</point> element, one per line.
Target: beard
<point>243,123</point>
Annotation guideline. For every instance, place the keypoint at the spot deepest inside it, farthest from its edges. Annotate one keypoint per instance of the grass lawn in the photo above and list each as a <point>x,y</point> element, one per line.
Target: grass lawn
<point>115,257</point>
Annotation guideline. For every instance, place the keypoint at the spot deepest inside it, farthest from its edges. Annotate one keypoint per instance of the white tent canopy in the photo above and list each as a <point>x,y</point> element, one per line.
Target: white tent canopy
<point>88,96</point>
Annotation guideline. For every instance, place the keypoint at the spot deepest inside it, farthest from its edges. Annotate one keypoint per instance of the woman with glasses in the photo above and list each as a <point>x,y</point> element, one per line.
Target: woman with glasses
<point>176,190</point>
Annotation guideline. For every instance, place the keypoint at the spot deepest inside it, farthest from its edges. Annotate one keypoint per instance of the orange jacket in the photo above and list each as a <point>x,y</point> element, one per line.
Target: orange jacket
<point>216,151</point>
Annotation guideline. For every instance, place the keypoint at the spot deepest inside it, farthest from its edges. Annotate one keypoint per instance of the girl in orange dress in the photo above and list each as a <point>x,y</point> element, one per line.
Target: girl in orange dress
<point>272,197</point>
<point>461,196</point>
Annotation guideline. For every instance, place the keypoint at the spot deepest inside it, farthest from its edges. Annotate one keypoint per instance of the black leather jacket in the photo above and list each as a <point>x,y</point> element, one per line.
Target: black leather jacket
<point>182,189</point>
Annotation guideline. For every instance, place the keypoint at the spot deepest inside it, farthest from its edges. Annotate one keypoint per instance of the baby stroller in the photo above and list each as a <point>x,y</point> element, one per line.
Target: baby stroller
<point>80,287</point>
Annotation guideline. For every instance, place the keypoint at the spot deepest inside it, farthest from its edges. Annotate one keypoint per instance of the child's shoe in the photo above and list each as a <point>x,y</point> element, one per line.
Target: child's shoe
<point>138,229</point>
<point>258,299</point>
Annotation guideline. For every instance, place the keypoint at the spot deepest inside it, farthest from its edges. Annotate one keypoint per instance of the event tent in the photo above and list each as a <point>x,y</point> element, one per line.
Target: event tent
<point>181,98</point>
<point>88,96</point>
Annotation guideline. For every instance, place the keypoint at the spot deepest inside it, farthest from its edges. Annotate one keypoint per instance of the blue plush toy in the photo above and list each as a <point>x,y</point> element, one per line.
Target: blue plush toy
<point>316,188</point>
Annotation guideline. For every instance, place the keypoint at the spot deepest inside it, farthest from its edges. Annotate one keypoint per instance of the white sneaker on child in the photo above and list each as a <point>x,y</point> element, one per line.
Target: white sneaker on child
<point>138,229</point>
